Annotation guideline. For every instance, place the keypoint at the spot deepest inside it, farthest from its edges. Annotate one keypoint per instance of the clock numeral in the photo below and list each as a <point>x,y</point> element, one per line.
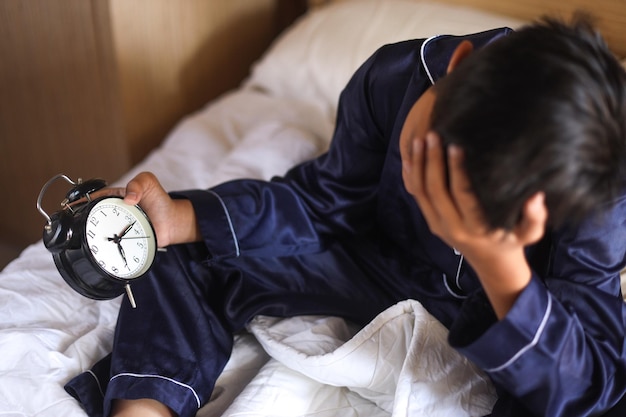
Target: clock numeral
<point>140,244</point>
<point>136,259</point>
<point>114,269</point>
<point>91,234</point>
<point>94,221</point>
<point>115,211</point>
<point>102,264</point>
<point>94,249</point>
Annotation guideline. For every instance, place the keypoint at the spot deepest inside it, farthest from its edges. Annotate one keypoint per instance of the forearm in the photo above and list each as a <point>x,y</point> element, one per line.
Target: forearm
<point>503,276</point>
<point>559,348</point>
<point>543,353</point>
<point>184,227</point>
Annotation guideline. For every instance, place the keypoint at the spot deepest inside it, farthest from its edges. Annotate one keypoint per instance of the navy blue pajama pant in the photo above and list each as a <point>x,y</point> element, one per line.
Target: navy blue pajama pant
<point>174,345</point>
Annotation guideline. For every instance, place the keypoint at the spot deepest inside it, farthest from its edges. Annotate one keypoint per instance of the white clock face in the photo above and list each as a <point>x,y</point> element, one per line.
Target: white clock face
<point>120,238</point>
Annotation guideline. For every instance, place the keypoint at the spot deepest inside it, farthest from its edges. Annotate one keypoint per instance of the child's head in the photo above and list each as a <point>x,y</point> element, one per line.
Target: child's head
<point>543,109</point>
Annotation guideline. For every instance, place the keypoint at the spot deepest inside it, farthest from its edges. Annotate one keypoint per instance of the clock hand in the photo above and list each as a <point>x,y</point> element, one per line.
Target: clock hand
<point>127,229</point>
<point>116,238</point>
<point>121,250</point>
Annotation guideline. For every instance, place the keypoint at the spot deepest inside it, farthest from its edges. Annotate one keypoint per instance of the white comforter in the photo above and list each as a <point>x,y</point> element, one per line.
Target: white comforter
<point>398,365</point>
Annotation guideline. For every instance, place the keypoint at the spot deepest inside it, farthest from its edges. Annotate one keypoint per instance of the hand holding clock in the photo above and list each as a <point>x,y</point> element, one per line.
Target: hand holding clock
<point>83,236</point>
<point>174,221</point>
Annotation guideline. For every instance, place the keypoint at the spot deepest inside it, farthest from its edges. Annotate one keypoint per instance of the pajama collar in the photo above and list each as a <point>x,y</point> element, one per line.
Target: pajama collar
<point>437,50</point>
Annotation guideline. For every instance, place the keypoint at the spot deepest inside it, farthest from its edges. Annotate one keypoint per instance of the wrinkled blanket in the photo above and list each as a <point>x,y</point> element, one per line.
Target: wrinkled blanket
<point>398,365</point>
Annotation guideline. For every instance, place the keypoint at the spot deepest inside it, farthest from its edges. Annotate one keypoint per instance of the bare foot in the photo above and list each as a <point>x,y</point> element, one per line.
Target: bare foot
<point>140,408</point>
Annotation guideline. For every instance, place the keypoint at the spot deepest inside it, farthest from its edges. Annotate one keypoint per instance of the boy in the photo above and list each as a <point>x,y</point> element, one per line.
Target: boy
<point>481,175</point>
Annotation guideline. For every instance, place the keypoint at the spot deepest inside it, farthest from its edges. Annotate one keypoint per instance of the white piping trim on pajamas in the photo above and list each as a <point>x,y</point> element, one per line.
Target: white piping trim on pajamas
<point>457,279</point>
<point>90,372</point>
<point>432,80</point>
<point>161,377</point>
<point>458,271</point>
<point>230,223</point>
<point>455,295</point>
<point>532,344</point>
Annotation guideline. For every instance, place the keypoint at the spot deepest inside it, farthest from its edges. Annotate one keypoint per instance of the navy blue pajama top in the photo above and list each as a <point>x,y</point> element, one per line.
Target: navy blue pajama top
<point>560,351</point>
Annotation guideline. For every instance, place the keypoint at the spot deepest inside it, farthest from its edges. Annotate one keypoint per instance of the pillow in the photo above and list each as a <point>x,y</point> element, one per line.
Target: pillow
<point>314,59</point>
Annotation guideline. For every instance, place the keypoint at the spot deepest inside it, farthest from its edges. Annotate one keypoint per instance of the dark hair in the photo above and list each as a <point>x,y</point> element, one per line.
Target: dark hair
<point>542,109</point>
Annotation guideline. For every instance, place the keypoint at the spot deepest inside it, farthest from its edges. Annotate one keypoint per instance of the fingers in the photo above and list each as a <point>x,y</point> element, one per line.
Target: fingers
<point>414,177</point>
<point>461,189</point>
<point>426,178</point>
<point>436,175</point>
<point>442,190</point>
<point>534,217</point>
<point>135,190</point>
<point>108,191</point>
<point>139,186</point>
<point>459,183</point>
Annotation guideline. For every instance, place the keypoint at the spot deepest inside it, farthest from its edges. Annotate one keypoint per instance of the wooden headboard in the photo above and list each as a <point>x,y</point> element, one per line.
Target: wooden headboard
<point>610,15</point>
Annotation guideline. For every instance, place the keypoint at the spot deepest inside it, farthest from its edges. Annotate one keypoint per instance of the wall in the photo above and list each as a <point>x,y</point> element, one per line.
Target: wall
<point>89,87</point>
<point>610,14</point>
<point>58,107</point>
<point>177,57</point>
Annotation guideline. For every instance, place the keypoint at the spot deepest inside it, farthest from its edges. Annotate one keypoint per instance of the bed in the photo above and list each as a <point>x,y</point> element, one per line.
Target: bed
<point>283,113</point>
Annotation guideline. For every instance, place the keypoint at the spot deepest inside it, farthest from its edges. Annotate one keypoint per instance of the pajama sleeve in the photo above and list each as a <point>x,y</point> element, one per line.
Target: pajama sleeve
<point>560,351</point>
<point>324,198</point>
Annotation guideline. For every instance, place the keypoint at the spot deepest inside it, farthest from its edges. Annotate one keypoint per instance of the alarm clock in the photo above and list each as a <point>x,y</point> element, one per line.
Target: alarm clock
<point>99,245</point>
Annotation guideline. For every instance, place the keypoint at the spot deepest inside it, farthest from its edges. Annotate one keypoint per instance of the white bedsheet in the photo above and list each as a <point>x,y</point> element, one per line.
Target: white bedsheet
<point>321,366</point>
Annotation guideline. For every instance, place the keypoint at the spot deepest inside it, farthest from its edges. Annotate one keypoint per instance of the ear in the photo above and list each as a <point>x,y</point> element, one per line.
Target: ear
<point>462,51</point>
